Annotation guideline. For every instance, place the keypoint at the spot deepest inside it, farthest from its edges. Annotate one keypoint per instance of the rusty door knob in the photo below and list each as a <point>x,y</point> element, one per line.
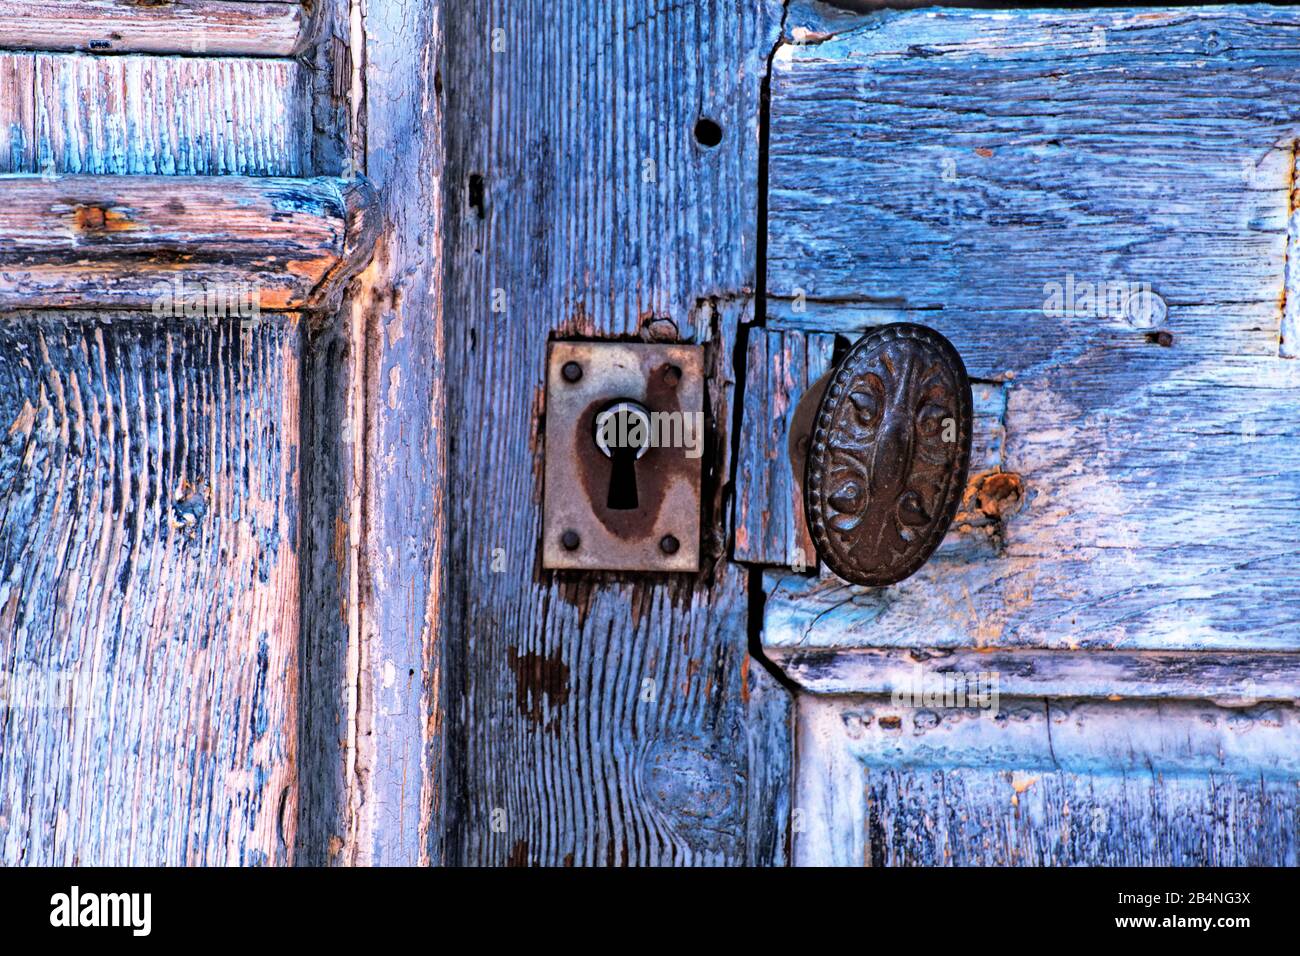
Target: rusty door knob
<point>887,454</point>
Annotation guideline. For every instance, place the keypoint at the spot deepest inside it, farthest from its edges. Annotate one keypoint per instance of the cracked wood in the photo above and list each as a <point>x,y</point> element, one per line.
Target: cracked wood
<point>149,605</point>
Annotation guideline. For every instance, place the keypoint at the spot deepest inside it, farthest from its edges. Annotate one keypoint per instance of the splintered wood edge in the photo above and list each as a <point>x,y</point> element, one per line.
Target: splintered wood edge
<point>110,241</point>
<point>212,27</point>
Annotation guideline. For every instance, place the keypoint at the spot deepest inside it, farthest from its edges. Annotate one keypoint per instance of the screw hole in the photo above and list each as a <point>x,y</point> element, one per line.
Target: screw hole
<point>708,133</point>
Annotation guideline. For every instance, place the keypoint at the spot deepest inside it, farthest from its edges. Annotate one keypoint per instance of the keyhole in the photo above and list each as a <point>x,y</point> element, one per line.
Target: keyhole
<point>623,435</point>
<point>622,480</point>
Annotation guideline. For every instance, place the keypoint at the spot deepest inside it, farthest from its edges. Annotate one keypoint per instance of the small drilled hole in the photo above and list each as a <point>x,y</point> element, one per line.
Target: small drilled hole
<point>708,133</point>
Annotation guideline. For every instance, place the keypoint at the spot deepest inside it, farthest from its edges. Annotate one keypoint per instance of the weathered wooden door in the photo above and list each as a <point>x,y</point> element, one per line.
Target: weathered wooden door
<point>189,581</point>
<point>282,571</point>
<point>272,581</point>
<point>1096,208</point>
<point>1123,564</point>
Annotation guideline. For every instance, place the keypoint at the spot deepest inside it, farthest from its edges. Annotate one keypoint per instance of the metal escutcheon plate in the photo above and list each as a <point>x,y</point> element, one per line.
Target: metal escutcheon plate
<point>888,455</point>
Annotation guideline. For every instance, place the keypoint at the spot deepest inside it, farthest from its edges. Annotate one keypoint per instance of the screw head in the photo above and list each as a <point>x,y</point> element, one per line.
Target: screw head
<point>570,540</point>
<point>668,544</point>
<point>572,371</point>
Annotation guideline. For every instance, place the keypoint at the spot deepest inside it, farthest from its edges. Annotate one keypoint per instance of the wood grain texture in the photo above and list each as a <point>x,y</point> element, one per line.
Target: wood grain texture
<point>1157,503</point>
<point>603,719</point>
<point>333,469</point>
<point>216,27</point>
<point>152,478</point>
<point>781,367</point>
<point>17,127</point>
<point>151,115</point>
<point>769,728</point>
<point>1060,782</point>
<point>120,241</point>
<point>373,775</point>
<point>148,115</point>
<point>1014,167</point>
<point>148,590</point>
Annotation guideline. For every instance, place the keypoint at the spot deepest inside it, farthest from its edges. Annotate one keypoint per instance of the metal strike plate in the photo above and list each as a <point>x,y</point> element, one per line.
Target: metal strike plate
<point>887,450</point>
<point>580,528</point>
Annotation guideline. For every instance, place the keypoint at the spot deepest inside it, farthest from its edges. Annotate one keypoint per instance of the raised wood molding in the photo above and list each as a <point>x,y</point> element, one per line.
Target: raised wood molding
<point>211,27</point>
<point>1229,678</point>
<point>375,432</point>
<point>1079,782</point>
<point>121,241</point>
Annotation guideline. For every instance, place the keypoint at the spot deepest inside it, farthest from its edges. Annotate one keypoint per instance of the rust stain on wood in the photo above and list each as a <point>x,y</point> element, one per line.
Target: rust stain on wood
<point>100,218</point>
<point>999,494</point>
<point>541,686</point>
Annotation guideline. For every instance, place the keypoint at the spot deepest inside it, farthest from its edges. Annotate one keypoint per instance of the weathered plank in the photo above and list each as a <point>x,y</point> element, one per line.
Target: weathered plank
<point>134,241</point>
<point>169,116</point>
<point>381,530</point>
<point>1220,676</point>
<point>217,27</point>
<point>331,784</point>
<point>780,368</point>
<point>1016,168</point>
<point>602,719</point>
<point>150,540</point>
<point>769,771</point>
<point>1150,501</point>
<point>148,590</point>
<point>1046,783</point>
<point>150,115</point>
<point>17,80</point>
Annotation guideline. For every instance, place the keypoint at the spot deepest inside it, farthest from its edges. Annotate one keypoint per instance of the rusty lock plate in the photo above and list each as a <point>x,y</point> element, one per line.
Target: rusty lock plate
<point>580,528</point>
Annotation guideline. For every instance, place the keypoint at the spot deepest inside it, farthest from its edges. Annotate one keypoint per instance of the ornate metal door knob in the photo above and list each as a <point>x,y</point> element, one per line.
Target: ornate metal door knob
<point>888,453</point>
